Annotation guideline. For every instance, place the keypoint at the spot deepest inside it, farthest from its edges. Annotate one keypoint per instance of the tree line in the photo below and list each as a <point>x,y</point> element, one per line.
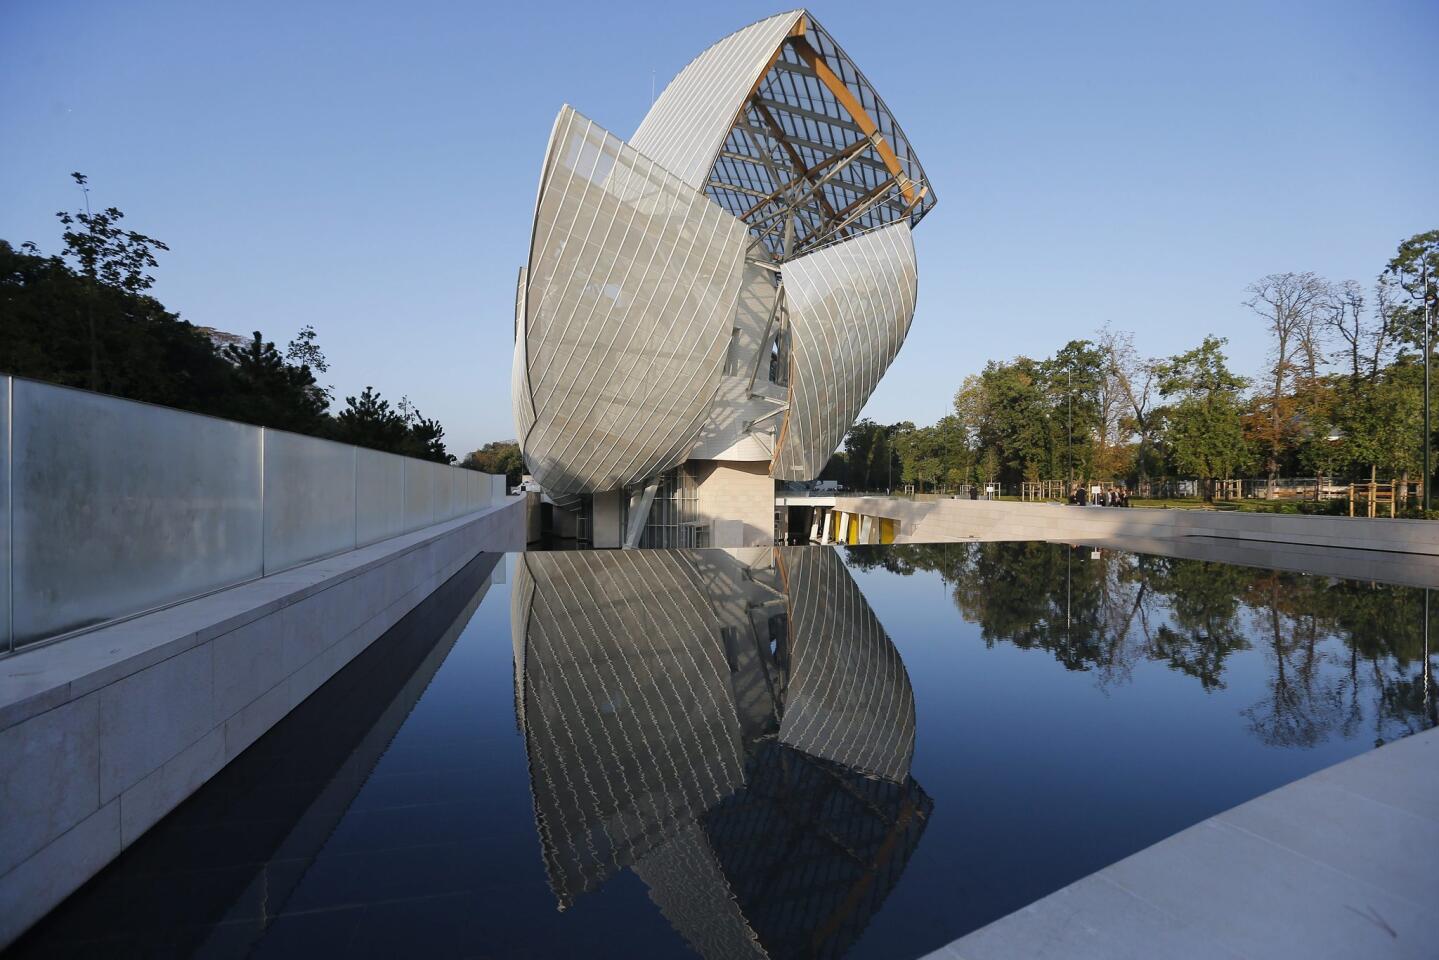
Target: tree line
<point>498,456</point>
<point>85,318</point>
<point>1339,395</point>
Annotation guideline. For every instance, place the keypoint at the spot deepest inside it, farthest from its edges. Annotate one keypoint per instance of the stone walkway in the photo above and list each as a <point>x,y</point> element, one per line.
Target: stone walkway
<point>1344,863</point>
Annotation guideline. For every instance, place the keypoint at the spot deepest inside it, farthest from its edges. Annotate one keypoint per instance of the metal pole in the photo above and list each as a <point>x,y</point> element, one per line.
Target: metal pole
<point>1428,664</point>
<point>1069,425</point>
<point>1424,292</point>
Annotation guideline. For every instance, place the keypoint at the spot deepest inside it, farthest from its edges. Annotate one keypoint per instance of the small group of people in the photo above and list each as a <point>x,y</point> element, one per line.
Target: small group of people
<point>1104,497</point>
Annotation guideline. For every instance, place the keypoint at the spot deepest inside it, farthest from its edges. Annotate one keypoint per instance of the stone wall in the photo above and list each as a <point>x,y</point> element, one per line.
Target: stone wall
<point>103,734</point>
<point>737,498</point>
<point>1396,551</point>
<point>606,532</point>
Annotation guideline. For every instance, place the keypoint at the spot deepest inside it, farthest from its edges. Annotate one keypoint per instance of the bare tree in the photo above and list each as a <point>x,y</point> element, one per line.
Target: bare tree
<point>1290,304</point>
<point>1344,314</point>
<point>1135,382</point>
<point>1111,405</point>
<point>1383,334</point>
<point>1367,337</point>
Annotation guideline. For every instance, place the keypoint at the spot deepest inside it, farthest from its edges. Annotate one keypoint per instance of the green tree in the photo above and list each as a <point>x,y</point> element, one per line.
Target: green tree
<point>304,351</point>
<point>1414,270</point>
<point>1384,425</point>
<point>869,450</point>
<point>427,440</point>
<point>1205,429</point>
<point>86,319</point>
<point>1076,377</point>
<point>106,255</point>
<point>63,327</point>
<point>272,393</point>
<point>956,457</point>
<point>498,456</point>
<point>1007,409</point>
<point>103,251</point>
<point>369,421</point>
<point>837,469</point>
<point>933,455</point>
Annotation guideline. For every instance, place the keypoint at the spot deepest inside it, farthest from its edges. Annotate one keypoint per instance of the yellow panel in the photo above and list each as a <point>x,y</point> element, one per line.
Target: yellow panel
<point>886,530</point>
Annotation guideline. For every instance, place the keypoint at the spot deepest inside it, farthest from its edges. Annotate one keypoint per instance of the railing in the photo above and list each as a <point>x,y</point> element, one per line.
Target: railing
<point>111,508</point>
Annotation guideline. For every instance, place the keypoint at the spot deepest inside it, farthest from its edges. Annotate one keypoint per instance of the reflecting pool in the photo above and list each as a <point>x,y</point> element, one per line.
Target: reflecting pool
<point>804,751</point>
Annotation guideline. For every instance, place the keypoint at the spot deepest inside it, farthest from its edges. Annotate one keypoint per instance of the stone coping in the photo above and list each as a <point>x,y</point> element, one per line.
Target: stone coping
<point>39,679</point>
<point>949,520</point>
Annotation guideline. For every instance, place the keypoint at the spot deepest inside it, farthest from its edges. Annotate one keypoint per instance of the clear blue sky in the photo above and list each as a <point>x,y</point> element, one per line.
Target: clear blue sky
<point>371,168</point>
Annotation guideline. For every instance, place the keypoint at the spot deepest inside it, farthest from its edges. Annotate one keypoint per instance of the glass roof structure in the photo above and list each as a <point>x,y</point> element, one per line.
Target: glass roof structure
<point>815,135</point>
<point>776,119</point>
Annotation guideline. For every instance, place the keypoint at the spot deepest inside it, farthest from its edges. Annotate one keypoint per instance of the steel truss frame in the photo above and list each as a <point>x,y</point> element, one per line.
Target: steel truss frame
<point>814,155</point>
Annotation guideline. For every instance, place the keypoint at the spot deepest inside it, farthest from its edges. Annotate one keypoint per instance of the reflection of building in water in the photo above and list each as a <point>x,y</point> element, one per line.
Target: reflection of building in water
<point>734,725</point>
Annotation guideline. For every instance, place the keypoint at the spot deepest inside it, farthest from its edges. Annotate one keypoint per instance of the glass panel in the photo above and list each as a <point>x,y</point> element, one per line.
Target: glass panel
<point>4,514</point>
<point>624,349</point>
<point>309,499</point>
<point>120,507</point>
<point>419,495</point>
<point>379,495</point>
<point>479,495</point>
<point>440,478</point>
<point>459,491</point>
<point>849,307</point>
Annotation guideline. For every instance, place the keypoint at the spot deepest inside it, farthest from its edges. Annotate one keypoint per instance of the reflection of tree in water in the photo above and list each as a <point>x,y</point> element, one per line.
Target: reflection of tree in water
<point>1339,651</point>
<point>1305,702</point>
<point>1387,650</point>
<point>1203,627</point>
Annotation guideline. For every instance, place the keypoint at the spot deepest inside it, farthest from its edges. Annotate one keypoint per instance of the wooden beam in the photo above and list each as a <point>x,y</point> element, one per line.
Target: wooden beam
<point>850,102</point>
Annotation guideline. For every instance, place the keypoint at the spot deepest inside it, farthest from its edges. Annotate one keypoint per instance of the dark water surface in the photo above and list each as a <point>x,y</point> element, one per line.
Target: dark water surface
<point>865,752</point>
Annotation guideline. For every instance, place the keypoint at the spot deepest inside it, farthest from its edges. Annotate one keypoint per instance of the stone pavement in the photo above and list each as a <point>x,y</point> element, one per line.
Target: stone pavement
<point>1343,863</point>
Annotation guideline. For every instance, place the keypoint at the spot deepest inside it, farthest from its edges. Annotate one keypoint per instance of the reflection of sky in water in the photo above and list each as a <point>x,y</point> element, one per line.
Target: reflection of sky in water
<point>1068,710</point>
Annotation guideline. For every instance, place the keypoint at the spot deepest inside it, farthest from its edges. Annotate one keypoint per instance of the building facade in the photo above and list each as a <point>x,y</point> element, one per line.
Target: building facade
<point>707,307</point>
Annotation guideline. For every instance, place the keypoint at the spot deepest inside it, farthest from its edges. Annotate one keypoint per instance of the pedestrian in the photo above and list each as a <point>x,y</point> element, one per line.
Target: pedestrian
<point>1082,494</point>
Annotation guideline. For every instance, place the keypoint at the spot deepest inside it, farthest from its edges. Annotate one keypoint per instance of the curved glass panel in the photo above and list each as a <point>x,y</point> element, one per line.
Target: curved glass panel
<point>849,305</point>
<point>632,285</point>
